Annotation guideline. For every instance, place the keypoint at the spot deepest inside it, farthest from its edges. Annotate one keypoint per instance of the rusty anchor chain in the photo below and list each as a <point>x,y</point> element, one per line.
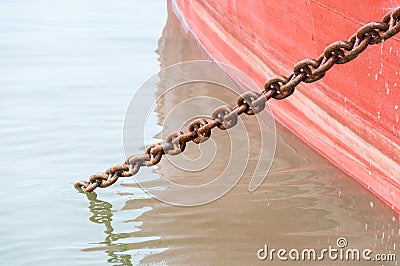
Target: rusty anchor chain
<point>250,102</point>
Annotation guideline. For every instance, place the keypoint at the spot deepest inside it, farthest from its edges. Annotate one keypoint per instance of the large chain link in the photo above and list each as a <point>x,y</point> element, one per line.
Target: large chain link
<point>250,102</point>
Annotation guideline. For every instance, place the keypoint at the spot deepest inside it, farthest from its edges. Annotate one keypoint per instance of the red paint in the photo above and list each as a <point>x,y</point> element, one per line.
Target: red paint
<point>350,115</point>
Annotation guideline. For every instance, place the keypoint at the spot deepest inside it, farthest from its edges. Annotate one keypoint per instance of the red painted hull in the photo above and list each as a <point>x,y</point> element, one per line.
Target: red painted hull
<point>352,115</point>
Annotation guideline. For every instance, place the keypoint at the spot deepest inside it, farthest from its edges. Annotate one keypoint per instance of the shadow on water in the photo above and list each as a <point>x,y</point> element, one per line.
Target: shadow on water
<point>102,214</point>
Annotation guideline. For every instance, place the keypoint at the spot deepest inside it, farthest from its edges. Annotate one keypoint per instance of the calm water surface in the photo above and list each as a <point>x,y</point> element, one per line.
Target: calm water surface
<point>67,72</point>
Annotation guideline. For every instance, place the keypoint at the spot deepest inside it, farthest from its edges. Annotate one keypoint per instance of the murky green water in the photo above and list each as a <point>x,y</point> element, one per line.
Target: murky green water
<point>67,72</point>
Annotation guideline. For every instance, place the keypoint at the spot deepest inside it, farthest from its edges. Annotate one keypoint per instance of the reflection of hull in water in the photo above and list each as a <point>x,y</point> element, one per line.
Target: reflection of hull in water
<point>352,115</point>
<point>178,105</point>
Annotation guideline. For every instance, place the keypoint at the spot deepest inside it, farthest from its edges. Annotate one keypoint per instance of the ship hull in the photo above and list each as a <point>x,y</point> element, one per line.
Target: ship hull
<point>351,116</point>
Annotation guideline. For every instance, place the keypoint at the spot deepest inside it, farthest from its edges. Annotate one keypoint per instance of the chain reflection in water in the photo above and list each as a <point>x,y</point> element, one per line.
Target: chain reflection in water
<point>102,214</point>
<point>119,249</point>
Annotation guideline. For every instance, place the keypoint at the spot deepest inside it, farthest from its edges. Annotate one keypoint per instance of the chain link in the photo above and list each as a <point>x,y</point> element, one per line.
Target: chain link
<point>250,102</point>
